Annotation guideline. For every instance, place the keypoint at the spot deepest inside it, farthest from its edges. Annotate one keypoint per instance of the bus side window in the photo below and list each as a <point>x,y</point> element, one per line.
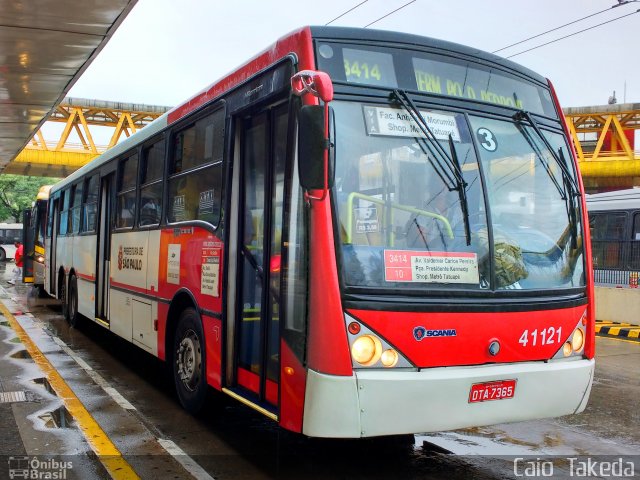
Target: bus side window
<point>90,206</point>
<point>63,224</point>
<point>195,181</point>
<point>126,196</point>
<point>152,172</point>
<point>76,205</point>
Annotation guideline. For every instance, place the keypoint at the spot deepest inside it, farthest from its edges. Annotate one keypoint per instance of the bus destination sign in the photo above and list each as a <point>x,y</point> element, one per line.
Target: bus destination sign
<point>464,81</point>
<point>435,75</point>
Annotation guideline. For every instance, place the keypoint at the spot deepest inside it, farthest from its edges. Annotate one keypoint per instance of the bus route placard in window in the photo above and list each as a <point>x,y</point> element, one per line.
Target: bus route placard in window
<point>369,68</point>
<point>430,267</point>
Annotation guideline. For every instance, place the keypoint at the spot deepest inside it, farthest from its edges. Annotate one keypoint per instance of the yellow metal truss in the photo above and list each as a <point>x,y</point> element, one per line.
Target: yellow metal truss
<point>617,166</point>
<point>59,158</point>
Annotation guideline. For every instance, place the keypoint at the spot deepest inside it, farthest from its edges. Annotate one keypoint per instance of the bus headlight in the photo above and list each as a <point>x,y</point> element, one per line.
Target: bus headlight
<point>366,350</point>
<point>567,349</point>
<point>389,358</point>
<point>577,342</point>
<point>40,259</point>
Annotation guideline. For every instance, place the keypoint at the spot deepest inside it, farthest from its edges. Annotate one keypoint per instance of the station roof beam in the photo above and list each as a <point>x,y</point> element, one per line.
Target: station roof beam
<point>44,156</point>
<point>604,139</point>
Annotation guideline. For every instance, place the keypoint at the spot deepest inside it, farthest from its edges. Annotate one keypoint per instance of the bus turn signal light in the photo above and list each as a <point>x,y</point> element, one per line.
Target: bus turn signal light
<point>567,349</point>
<point>354,328</point>
<point>366,350</point>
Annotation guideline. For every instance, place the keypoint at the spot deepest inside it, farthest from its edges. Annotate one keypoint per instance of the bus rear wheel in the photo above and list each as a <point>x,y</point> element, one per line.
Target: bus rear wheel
<point>72,306</point>
<point>189,361</point>
<point>64,297</point>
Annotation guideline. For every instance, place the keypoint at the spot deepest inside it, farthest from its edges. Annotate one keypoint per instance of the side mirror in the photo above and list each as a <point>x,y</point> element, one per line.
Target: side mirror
<point>316,83</point>
<point>311,147</point>
<point>313,133</point>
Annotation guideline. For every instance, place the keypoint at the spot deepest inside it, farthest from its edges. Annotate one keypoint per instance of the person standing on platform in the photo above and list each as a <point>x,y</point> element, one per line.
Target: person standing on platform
<point>17,271</point>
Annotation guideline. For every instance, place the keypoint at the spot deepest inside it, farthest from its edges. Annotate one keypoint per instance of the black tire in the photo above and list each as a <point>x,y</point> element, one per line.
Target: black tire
<point>189,361</point>
<point>3,255</point>
<point>72,302</point>
<point>42,293</point>
<point>63,297</point>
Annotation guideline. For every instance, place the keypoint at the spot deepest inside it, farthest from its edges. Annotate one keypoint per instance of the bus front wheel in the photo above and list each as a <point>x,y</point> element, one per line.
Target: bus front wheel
<point>189,361</point>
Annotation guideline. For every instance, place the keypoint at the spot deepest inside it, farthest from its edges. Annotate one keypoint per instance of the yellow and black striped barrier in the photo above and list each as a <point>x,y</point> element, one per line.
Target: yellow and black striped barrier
<point>625,330</point>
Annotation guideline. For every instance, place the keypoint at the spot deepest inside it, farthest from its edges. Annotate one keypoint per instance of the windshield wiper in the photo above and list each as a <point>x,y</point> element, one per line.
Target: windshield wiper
<point>571,207</point>
<point>454,178</point>
<point>569,190</point>
<point>571,182</point>
<point>462,193</point>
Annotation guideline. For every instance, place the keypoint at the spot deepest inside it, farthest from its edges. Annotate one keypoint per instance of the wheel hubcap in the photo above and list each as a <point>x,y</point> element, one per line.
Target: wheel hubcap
<point>189,360</point>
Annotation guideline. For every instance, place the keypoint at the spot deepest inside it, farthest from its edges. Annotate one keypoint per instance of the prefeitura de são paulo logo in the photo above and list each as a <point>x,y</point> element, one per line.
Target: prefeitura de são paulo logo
<point>120,257</point>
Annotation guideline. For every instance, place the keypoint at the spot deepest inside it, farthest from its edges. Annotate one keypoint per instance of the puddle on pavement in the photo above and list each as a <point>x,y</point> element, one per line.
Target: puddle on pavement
<point>45,383</point>
<point>58,418</point>
<point>20,354</point>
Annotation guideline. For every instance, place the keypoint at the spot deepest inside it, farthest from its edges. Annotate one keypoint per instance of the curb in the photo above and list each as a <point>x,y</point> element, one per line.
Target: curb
<point>617,329</point>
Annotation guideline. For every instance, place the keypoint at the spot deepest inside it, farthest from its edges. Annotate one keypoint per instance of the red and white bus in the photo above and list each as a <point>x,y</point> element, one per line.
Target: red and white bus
<point>357,233</point>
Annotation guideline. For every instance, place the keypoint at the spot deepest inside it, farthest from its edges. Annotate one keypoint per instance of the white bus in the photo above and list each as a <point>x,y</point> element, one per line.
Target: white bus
<point>9,233</point>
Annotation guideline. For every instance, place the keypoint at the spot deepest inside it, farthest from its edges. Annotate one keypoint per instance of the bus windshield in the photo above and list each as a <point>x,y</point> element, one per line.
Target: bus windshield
<point>401,214</point>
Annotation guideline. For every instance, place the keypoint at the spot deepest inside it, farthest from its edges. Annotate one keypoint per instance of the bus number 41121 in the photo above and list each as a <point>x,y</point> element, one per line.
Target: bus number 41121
<point>544,336</point>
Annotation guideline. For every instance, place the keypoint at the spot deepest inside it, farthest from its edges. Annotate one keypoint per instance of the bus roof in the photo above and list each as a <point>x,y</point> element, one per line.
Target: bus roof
<point>43,192</point>
<point>300,43</point>
<point>617,200</point>
<point>390,37</point>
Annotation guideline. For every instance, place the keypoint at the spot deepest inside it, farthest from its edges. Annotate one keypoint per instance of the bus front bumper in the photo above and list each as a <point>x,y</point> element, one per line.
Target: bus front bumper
<point>390,402</point>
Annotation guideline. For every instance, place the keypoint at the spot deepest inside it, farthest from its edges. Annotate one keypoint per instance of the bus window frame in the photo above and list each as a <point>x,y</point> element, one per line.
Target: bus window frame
<point>121,191</point>
<point>209,110</point>
<point>73,207</point>
<point>83,224</point>
<point>162,138</point>
<point>63,211</point>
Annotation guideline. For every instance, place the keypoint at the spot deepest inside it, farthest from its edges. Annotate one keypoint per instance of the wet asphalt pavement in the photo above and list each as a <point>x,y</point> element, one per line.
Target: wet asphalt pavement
<point>230,441</point>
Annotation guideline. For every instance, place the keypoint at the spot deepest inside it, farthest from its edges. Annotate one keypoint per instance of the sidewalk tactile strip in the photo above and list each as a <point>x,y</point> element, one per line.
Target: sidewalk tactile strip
<point>10,397</point>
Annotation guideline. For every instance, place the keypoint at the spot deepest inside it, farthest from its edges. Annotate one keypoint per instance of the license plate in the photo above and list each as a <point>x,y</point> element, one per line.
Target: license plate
<point>498,390</point>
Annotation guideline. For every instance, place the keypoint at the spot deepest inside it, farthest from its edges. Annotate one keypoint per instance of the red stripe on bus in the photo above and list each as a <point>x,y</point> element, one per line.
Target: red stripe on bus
<point>132,288</point>
<point>89,278</point>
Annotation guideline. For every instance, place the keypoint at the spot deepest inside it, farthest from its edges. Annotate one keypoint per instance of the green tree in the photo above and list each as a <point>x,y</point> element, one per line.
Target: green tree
<point>18,192</point>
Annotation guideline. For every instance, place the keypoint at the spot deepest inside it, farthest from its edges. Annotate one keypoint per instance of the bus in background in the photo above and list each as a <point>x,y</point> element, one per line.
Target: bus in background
<point>9,234</point>
<point>614,221</point>
<point>356,233</point>
<point>34,221</point>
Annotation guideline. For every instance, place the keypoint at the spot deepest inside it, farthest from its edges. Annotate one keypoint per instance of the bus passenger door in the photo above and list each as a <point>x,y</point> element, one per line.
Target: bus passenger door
<point>260,223</point>
<point>104,248</point>
<point>50,257</point>
<point>28,244</point>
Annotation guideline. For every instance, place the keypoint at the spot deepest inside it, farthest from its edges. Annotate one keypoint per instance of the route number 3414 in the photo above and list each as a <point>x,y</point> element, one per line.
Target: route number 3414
<point>543,336</point>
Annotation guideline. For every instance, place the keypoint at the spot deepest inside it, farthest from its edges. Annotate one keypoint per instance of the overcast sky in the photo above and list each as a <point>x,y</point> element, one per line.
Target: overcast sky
<point>166,50</point>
